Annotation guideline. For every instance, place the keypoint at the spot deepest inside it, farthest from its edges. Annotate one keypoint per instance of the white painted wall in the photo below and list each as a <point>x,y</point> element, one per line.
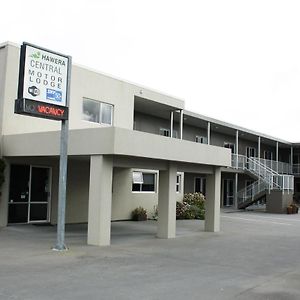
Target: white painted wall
<point>125,201</point>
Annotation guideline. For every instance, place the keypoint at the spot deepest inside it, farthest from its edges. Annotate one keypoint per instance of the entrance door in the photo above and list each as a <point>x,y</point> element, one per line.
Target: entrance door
<point>29,194</point>
<point>200,185</point>
<point>228,196</point>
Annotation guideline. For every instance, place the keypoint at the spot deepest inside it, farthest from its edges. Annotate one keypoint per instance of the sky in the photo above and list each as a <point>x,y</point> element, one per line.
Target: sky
<point>237,61</point>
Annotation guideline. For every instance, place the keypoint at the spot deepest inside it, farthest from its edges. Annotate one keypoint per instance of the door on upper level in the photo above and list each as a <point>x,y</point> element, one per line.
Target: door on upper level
<point>250,152</point>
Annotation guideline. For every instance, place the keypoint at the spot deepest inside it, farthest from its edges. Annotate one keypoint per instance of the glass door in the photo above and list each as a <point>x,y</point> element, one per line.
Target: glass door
<point>228,191</point>
<point>39,194</point>
<point>250,152</point>
<point>18,202</point>
<point>29,194</point>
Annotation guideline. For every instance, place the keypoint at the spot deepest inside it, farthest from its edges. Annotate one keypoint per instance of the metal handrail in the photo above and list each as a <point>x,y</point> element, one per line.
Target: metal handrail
<point>251,191</point>
<point>273,179</point>
<point>278,166</point>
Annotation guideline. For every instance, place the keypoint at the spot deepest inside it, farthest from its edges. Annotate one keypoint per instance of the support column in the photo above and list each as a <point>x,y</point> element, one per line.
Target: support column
<point>212,203</point>
<point>236,191</point>
<point>167,203</point>
<point>292,154</point>
<point>100,197</point>
<point>5,196</point>
<point>258,156</point>
<point>208,133</point>
<point>277,155</point>
<point>172,123</point>
<point>236,174</point>
<point>181,124</point>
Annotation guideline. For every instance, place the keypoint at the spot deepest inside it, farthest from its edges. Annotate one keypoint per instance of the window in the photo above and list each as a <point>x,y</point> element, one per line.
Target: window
<point>201,139</point>
<point>143,182</point>
<point>97,112</point>
<point>137,177</point>
<point>268,155</point>
<point>230,146</point>
<point>178,183</point>
<point>164,132</point>
<point>200,185</point>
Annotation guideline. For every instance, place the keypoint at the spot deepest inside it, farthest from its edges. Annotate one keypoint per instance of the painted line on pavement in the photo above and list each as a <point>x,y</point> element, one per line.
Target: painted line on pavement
<point>255,220</point>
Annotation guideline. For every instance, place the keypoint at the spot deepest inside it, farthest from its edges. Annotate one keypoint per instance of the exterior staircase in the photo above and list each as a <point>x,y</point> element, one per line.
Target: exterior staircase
<point>267,179</point>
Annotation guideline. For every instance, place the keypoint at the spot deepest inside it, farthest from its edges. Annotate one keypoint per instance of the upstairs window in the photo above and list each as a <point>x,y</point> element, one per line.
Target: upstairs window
<point>97,112</point>
<point>201,139</point>
<point>164,131</point>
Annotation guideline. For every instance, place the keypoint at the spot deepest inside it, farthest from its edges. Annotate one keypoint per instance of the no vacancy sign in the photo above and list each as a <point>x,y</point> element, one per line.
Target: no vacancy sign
<point>43,83</point>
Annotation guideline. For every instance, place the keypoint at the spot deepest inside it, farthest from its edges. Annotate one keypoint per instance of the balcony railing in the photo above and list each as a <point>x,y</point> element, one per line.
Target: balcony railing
<point>271,177</point>
<point>278,166</point>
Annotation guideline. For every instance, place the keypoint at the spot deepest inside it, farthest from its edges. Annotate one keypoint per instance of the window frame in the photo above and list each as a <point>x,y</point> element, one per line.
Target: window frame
<point>162,130</point>
<point>141,184</point>
<point>100,105</point>
<point>178,185</point>
<point>200,139</point>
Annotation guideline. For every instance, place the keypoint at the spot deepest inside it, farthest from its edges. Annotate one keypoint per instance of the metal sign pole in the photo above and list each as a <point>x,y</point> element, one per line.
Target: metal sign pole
<point>63,166</point>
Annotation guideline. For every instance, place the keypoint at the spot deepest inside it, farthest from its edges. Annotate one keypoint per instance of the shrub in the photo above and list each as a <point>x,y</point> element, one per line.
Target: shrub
<point>139,214</point>
<point>192,207</point>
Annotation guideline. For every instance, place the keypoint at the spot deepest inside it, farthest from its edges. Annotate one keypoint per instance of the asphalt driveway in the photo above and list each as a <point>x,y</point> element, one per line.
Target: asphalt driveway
<point>255,256</point>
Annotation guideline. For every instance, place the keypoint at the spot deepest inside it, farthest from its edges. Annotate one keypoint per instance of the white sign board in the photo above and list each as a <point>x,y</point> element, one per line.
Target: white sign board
<point>45,76</point>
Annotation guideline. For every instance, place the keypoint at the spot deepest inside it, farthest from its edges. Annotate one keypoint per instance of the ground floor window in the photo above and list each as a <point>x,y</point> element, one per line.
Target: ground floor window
<point>143,182</point>
<point>200,185</point>
<point>178,183</point>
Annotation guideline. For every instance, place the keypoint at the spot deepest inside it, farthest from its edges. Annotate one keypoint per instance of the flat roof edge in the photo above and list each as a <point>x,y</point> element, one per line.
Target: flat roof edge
<point>236,127</point>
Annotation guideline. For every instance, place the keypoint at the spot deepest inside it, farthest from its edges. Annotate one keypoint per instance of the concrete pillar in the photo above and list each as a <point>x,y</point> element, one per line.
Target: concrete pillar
<point>208,133</point>
<point>181,124</point>
<point>167,203</point>
<point>277,155</point>
<point>4,196</point>
<point>100,198</point>
<point>171,123</point>
<point>258,151</point>
<point>236,190</point>
<point>212,203</point>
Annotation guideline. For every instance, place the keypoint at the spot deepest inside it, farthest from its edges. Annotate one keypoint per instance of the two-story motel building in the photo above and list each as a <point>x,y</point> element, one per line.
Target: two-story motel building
<point>130,146</point>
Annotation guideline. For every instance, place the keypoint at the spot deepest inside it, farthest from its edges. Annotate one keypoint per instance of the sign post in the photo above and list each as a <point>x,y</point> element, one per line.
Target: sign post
<point>44,92</point>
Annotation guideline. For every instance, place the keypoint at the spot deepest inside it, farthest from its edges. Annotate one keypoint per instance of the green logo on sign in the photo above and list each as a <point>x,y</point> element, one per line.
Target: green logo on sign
<point>36,55</point>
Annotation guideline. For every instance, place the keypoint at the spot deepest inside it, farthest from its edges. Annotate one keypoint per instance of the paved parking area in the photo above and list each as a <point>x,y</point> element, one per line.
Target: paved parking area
<point>255,256</point>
